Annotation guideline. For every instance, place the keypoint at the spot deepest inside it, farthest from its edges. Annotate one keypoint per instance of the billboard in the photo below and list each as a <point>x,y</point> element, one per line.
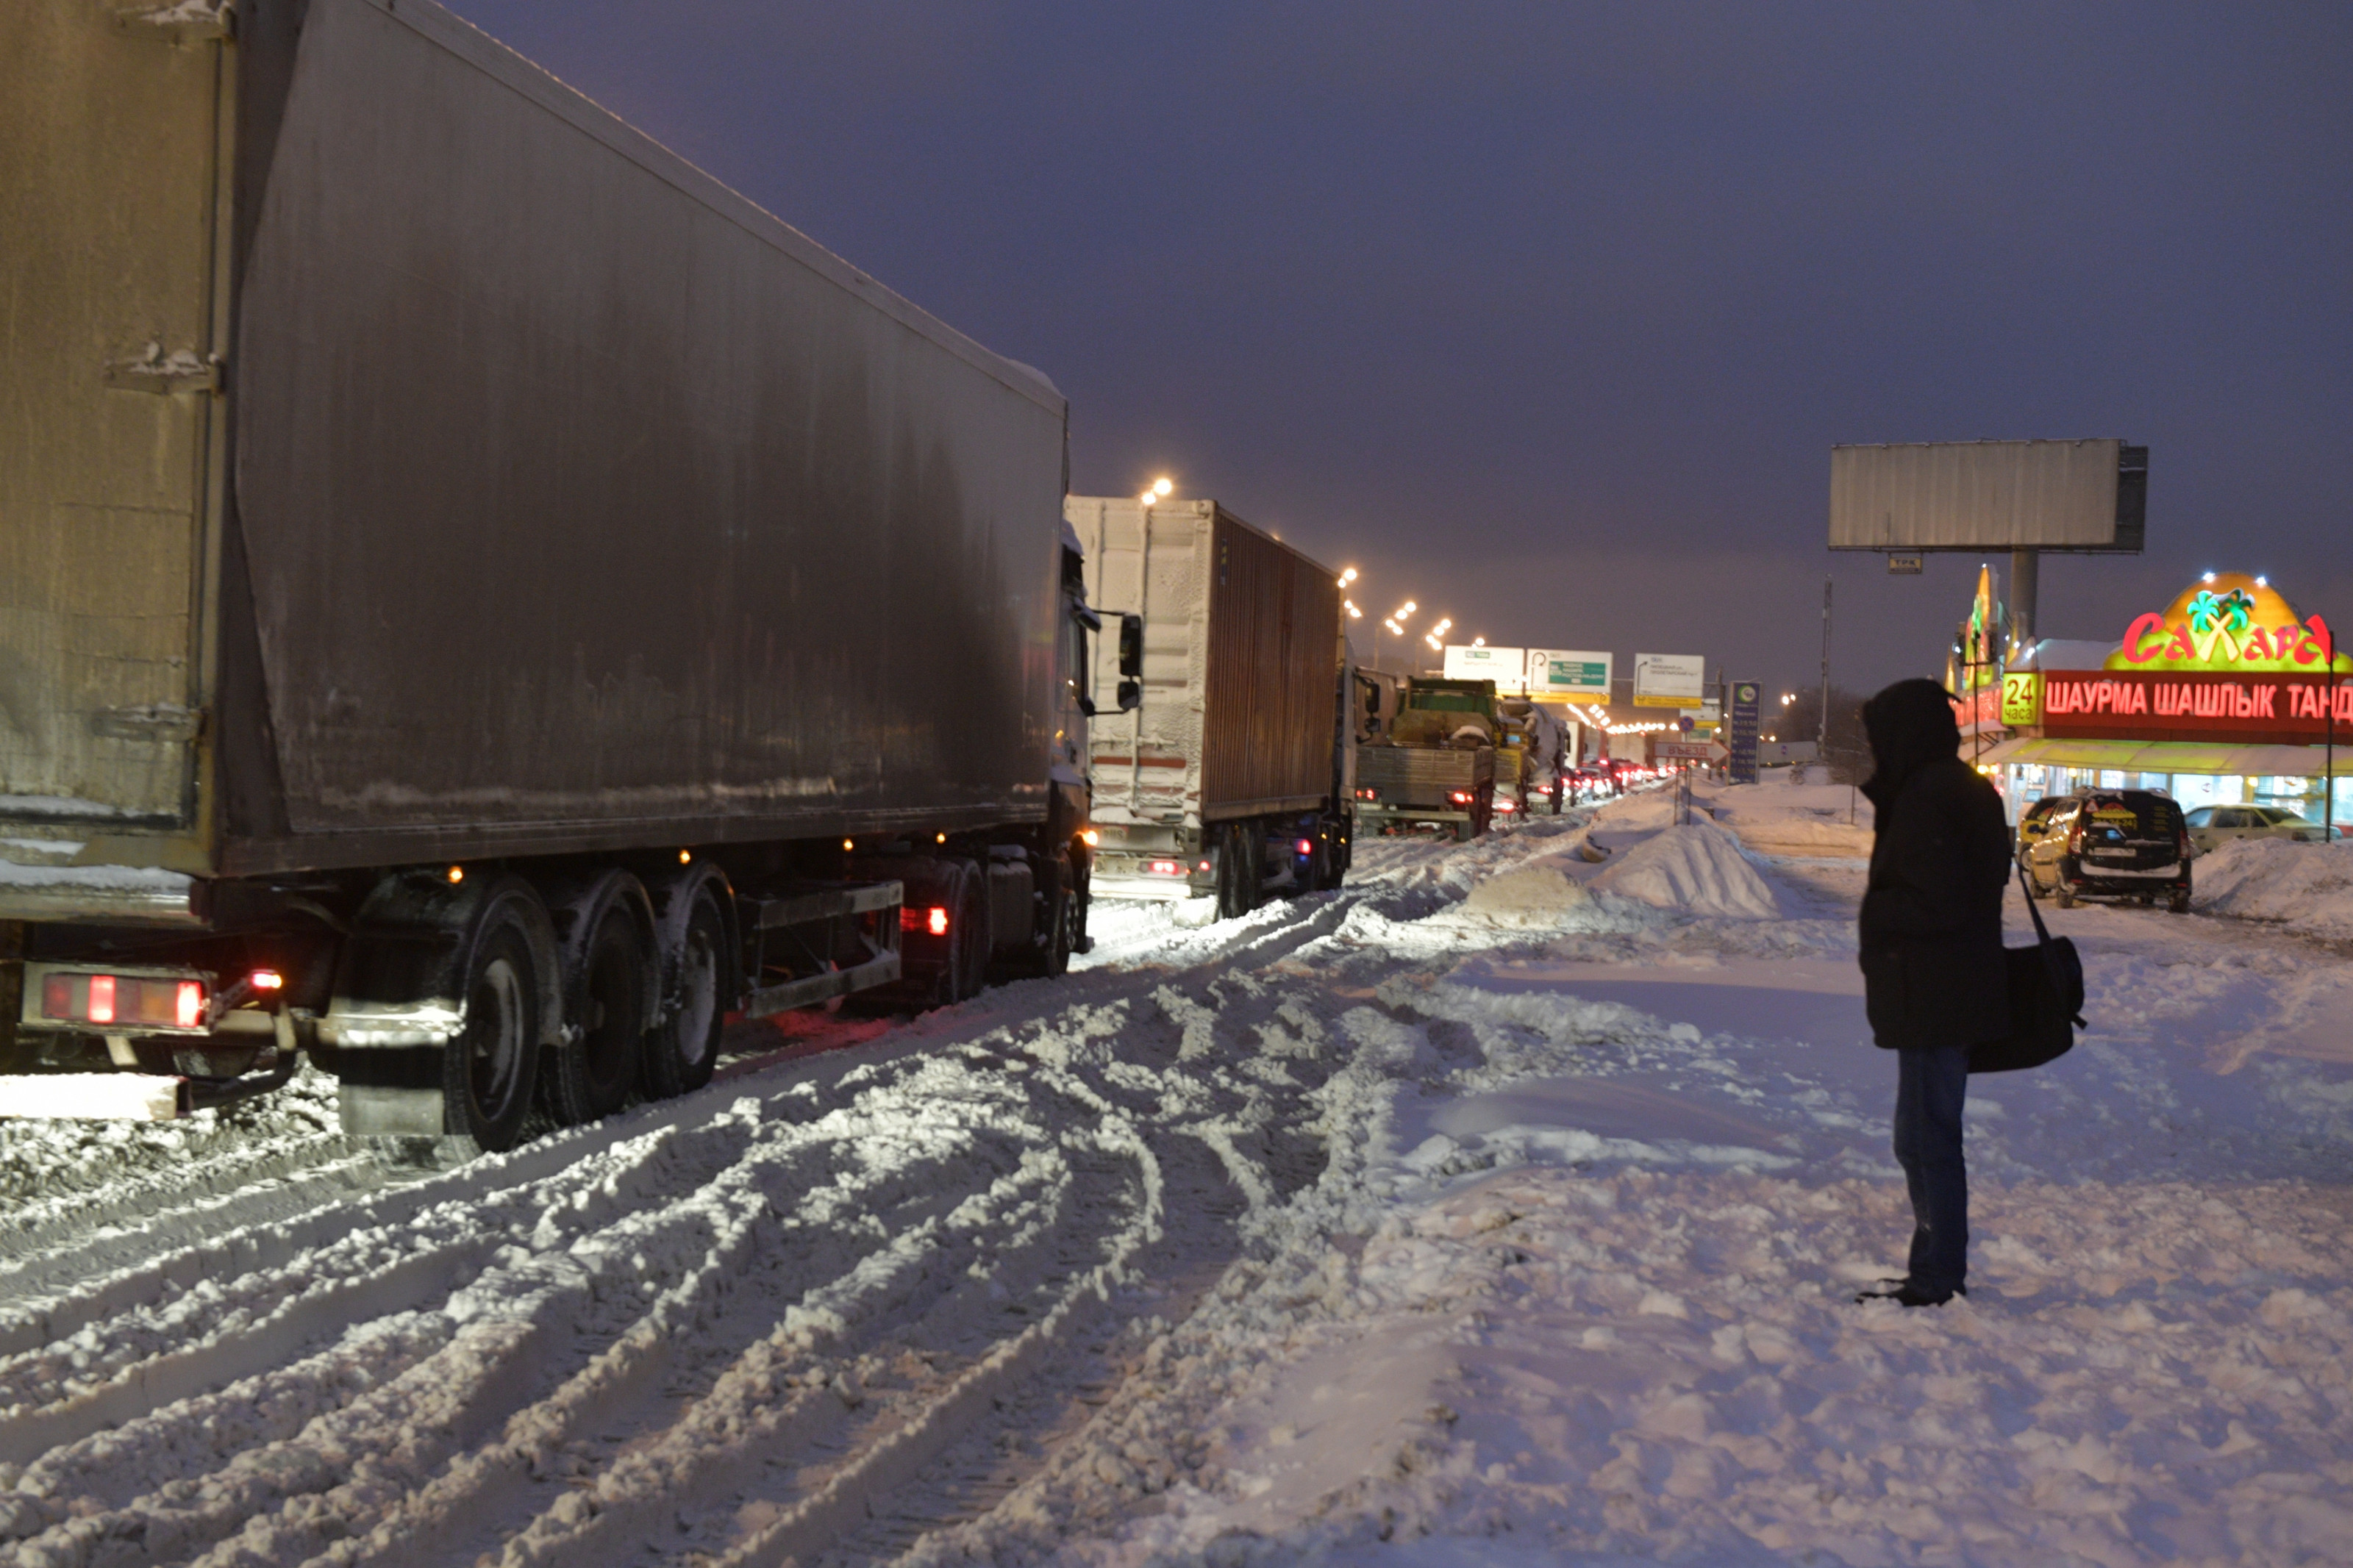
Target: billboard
<point>1989,495</point>
<point>1506,667</point>
<point>1669,679</point>
<point>1573,674</point>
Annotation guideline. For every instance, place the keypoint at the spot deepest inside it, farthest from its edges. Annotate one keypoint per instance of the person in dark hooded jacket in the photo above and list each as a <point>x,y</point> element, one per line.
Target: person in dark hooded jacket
<point>1934,977</point>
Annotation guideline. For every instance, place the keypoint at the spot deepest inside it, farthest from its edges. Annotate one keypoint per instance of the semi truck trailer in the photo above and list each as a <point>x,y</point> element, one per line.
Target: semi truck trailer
<point>1227,779</point>
<point>479,600</point>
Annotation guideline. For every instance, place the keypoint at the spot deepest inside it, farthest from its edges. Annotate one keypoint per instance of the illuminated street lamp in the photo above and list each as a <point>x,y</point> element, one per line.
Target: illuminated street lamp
<point>1347,576</point>
<point>1158,492</point>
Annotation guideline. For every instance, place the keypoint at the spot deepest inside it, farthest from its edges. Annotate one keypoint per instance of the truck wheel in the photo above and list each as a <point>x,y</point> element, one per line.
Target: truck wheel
<point>966,975</point>
<point>681,1051</point>
<point>610,981</point>
<point>1062,917</point>
<point>1230,849</point>
<point>487,1071</point>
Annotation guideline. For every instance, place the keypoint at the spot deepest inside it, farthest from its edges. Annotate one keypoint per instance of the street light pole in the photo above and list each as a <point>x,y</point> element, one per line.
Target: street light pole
<point>1822,723</point>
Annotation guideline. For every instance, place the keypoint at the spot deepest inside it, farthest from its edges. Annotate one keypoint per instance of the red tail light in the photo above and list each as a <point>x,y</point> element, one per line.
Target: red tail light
<point>933,920</point>
<point>1505,806</point>
<point>1460,797</point>
<point>1368,794</point>
<point>1166,868</point>
<point>124,1001</point>
<point>1306,847</point>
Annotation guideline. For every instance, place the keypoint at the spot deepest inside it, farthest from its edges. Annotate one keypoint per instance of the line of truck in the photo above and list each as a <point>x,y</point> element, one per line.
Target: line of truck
<point>441,540</point>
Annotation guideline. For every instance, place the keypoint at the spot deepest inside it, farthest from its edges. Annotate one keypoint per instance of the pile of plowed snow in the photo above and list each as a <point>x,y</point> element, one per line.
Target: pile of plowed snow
<point>1794,820</point>
<point>2307,888</point>
<point>1697,869</point>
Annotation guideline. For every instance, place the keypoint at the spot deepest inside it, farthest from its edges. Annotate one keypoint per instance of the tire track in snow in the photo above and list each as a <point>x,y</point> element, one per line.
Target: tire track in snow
<point>779,1310</point>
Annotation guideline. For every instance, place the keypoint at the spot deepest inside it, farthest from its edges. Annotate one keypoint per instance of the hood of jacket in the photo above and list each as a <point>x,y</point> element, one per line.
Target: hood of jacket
<point>1910,725</point>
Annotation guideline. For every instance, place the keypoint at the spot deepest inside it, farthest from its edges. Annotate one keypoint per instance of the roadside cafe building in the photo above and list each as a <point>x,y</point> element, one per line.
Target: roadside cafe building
<point>2227,696</point>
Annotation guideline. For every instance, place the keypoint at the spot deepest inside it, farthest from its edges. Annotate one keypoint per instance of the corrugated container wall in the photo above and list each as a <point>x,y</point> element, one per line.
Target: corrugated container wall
<point>1241,664</point>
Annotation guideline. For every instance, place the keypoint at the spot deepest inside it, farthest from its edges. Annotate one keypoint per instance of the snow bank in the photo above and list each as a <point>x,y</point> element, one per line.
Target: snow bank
<point>1697,868</point>
<point>1794,820</point>
<point>2307,888</point>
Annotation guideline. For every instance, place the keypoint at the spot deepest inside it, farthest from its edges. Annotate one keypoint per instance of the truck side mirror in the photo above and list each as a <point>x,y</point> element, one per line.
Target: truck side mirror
<point>1087,705</point>
<point>1131,696</point>
<point>1131,651</point>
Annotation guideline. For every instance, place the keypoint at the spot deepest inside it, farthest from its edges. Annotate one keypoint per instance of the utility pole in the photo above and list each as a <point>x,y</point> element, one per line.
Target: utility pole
<point>1822,725</point>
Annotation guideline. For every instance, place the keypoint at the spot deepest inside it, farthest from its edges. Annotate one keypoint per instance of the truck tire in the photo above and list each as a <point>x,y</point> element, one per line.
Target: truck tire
<point>681,1050</point>
<point>966,975</point>
<point>610,983</point>
<point>1238,870</point>
<point>1061,916</point>
<point>488,1072</point>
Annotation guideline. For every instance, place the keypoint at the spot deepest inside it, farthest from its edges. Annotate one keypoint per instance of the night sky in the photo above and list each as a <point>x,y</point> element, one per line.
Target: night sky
<point>1547,316</point>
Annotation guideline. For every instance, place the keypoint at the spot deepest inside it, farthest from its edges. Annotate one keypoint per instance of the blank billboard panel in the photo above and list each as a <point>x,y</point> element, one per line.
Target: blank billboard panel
<point>1989,495</point>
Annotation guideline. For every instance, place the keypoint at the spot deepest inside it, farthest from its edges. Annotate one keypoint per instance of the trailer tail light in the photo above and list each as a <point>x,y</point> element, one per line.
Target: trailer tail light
<point>1306,847</point>
<point>1166,868</point>
<point>933,920</point>
<point>1205,865</point>
<point>123,1002</point>
<point>268,979</point>
<point>1368,794</point>
<point>1460,797</point>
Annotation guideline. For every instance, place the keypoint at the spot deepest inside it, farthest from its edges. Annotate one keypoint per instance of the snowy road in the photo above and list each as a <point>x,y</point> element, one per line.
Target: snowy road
<point>1503,1207</point>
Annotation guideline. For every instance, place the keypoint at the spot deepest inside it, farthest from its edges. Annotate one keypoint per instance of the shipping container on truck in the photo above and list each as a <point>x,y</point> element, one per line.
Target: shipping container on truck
<point>1225,781</point>
<point>478,599</point>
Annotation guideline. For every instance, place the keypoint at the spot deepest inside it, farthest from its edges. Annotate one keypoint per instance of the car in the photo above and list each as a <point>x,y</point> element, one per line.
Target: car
<point>2212,824</point>
<point>2029,823</point>
<point>2111,844</point>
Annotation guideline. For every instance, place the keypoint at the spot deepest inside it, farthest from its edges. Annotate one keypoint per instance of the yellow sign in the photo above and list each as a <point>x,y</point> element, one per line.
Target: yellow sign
<point>2232,623</point>
<point>2022,698</point>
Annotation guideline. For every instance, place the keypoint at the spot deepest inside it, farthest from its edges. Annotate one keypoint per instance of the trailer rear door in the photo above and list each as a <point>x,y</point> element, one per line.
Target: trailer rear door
<point>107,386</point>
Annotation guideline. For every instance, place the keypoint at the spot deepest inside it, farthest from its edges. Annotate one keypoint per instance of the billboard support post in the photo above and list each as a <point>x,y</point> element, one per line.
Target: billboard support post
<point>2025,579</point>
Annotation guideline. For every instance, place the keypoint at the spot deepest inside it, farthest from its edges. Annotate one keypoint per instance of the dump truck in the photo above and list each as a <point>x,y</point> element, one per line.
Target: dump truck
<point>480,600</point>
<point>1226,778</point>
<point>1436,767</point>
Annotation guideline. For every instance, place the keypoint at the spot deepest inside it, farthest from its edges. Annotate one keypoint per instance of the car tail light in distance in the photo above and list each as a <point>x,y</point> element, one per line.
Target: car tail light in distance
<point>1167,867</point>
<point>1368,794</point>
<point>1505,806</point>
<point>123,1002</point>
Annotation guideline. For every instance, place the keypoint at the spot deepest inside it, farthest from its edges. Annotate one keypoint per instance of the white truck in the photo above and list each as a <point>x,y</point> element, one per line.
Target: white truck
<point>1228,777</point>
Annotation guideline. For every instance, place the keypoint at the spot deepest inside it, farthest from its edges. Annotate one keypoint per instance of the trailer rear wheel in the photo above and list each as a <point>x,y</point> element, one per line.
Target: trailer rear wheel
<point>683,1048</point>
<point>1240,871</point>
<point>487,1071</point>
<point>591,1077</point>
<point>966,974</point>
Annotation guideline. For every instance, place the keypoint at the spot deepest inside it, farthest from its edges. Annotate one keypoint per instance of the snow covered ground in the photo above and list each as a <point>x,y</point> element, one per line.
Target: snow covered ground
<point>1504,1208</point>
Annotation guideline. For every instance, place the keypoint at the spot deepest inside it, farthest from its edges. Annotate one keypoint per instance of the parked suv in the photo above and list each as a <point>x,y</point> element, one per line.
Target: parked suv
<point>2211,825</point>
<point>2112,844</point>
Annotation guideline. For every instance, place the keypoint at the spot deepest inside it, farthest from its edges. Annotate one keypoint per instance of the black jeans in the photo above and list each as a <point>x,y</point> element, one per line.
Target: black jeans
<point>1929,1088</point>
